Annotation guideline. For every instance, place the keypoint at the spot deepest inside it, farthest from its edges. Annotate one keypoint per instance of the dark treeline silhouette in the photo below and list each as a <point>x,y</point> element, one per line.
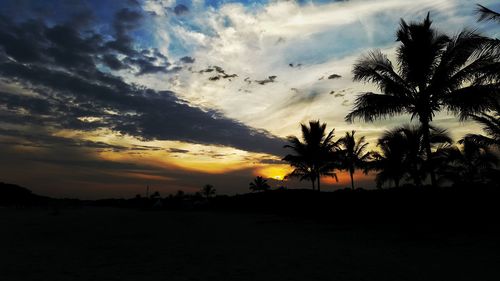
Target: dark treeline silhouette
<point>16,196</point>
<point>458,206</point>
<point>208,191</point>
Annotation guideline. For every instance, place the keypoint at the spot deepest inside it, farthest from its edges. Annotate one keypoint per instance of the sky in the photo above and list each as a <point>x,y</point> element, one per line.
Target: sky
<point>103,98</point>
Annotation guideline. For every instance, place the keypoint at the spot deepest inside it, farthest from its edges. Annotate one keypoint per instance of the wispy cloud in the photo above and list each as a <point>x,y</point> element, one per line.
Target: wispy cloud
<point>264,40</point>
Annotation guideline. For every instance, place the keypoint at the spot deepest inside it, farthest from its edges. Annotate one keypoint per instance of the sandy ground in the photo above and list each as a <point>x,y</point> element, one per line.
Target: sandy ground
<point>114,244</point>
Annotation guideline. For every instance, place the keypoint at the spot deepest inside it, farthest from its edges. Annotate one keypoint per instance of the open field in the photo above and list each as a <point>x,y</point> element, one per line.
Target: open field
<point>121,244</point>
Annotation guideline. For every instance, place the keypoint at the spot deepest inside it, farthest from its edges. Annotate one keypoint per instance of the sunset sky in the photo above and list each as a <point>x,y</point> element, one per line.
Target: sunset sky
<point>102,98</point>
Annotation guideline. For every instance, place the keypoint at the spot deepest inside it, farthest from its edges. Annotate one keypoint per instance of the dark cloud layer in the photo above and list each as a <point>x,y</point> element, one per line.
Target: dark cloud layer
<point>63,64</point>
<point>181,9</point>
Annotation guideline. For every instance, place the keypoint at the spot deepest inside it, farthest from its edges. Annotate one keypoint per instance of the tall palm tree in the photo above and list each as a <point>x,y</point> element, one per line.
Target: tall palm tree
<point>208,191</point>
<point>314,154</point>
<point>473,163</point>
<point>259,184</point>
<point>353,154</point>
<point>434,72</point>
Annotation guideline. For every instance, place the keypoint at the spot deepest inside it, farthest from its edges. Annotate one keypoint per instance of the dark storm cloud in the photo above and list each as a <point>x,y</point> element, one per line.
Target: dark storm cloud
<point>181,10</point>
<point>125,21</point>
<point>64,169</point>
<point>43,139</point>
<point>152,61</point>
<point>61,63</point>
<point>177,150</point>
<point>187,59</point>
<point>271,161</point>
<point>112,62</point>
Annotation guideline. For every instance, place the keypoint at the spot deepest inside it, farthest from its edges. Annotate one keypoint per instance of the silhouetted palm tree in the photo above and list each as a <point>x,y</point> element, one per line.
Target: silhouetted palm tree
<point>491,125</point>
<point>314,154</point>
<point>486,14</point>
<point>180,194</point>
<point>155,195</point>
<point>391,160</point>
<point>208,190</point>
<point>404,146</point>
<point>353,154</point>
<point>434,72</point>
<point>414,161</point>
<point>259,184</point>
<point>473,163</point>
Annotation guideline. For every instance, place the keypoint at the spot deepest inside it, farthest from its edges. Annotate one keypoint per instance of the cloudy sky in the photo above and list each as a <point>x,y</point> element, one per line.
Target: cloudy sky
<point>101,98</point>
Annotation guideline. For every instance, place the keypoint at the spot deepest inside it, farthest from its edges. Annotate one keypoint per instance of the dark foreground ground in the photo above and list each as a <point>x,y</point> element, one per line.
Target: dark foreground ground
<point>92,243</point>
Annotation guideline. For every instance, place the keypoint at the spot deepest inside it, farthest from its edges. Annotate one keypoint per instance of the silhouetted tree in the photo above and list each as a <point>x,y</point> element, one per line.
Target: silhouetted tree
<point>434,72</point>
<point>259,184</point>
<point>155,195</point>
<point>314,154</point>
<point>491,125</point>
<point>353,154</point>
<point>485,14</point>
<point>473,163</point>
<point>391,160</point>
<point>179,194</point>
<point>414,160</point>
<point>403,153</point>
<point>208,191</point>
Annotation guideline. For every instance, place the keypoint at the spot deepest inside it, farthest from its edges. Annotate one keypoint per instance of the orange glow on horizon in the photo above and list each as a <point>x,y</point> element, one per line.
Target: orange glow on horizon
<point>273,171</point>
<point>345,179</point>
<point>208,159</point>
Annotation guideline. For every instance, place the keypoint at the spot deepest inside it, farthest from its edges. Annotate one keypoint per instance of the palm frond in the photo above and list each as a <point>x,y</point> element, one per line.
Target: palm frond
<point>491,123</point>
<point>417,54</point>
<point>471,100</point>
<point>482,140</point>
<point>465,59</point>
<point>485,14</point>
<point>377,68</point>
<point>370,106</point>
<point>440,136</point>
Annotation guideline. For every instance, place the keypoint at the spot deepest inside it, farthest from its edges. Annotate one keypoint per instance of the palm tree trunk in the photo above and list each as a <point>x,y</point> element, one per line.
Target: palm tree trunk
<point>428,152</point>
<point>313,182</point>
<point>319,189</point>
<point>352,179</point>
